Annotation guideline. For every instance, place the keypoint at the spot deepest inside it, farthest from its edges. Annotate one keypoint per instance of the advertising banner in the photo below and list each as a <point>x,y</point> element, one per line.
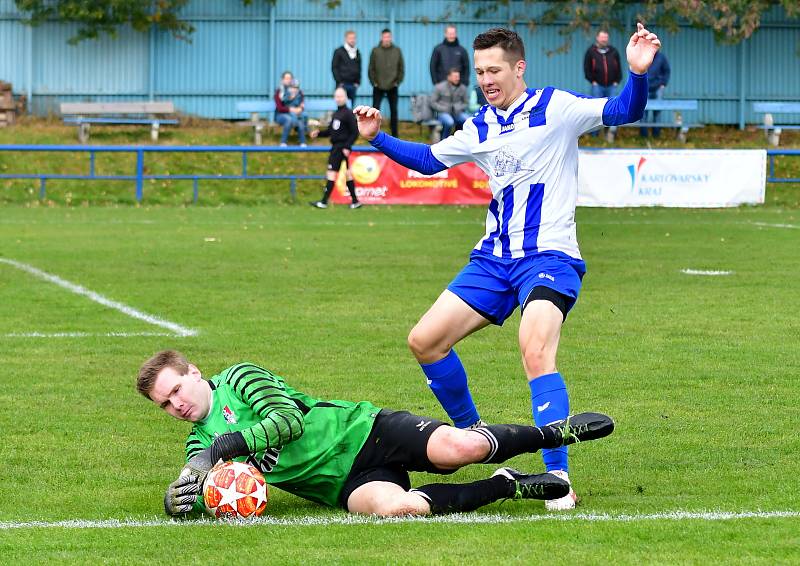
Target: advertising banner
<point>606,178</point>
<point>692,178</point>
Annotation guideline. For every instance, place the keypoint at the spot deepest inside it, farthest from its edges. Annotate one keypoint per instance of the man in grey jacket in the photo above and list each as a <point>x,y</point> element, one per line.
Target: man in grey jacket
<point>450,100</point>
<point>386,72</point>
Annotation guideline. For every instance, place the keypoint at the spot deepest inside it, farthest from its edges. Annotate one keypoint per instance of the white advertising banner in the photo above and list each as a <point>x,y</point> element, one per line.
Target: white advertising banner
<point>699,178</point>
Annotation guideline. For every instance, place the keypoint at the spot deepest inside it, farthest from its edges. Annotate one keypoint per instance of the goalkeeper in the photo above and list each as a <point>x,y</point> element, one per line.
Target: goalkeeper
<point>343,454</point>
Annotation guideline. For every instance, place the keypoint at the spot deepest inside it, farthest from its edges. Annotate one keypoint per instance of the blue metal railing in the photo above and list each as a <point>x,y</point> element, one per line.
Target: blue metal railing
<point>140,176</point>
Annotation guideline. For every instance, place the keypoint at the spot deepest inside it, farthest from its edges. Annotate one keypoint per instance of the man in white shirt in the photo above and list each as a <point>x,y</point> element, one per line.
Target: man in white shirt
<point>525,140</point>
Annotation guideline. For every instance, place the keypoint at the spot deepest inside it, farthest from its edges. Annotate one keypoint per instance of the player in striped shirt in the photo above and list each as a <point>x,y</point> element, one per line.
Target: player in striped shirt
<point>525,140</point>
<point>338,453</point>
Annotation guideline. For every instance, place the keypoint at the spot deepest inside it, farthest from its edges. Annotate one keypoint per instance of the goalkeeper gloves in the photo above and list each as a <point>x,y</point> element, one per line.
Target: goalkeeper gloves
<point>183,492</point>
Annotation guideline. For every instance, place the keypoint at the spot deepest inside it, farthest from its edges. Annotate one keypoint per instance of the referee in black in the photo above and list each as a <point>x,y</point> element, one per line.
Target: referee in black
<point>343,131</point>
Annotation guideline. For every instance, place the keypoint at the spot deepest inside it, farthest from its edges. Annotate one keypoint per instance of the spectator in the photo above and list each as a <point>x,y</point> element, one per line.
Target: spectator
<point>343,132</point>
<point>657,80</point>
<point>289,107</point>
<point>386,72</point>
<point>449,54</point>
<point>346,66</point>
<point>450,101</point>
<point>601,67</point>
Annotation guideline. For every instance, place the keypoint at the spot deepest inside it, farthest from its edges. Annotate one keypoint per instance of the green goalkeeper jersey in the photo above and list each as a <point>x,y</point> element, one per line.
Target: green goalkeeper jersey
<point>301,444</point>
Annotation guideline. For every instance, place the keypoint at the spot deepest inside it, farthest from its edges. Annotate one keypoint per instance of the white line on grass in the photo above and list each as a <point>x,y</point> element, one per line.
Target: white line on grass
<point>98,298</point>
<point>705,272</point>
<point>466,518</point>
<point>84,334</point>
<point>769,225</point>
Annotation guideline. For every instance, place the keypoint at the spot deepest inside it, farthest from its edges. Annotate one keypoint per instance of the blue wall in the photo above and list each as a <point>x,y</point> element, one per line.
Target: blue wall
<point>238,52</point>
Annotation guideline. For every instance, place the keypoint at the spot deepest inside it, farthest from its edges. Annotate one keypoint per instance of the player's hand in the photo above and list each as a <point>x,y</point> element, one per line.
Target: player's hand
<point>641,49</point>
<point>369,121</point>
<point>314,134</point>
<point>181,495</point>
<point>199,465</point>
<point>346,152</point>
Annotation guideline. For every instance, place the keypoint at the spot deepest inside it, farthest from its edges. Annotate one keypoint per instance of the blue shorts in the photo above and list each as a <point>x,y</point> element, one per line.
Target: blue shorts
<point>494,286</point>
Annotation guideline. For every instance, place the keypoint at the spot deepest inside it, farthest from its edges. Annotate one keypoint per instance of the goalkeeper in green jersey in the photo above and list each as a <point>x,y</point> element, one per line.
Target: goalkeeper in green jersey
<point>343,454</point>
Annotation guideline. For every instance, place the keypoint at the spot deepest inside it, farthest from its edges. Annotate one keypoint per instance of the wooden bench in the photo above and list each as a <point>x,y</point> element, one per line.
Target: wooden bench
<point>769,109</point>
<point>319,109</point>
<point>676,106</point>
<point>83,114</point>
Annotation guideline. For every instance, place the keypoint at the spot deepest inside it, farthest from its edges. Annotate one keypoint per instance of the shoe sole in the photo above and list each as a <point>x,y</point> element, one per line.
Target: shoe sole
<point>587,426</point>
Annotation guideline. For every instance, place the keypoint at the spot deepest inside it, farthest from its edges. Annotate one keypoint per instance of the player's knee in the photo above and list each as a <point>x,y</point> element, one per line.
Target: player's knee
<point>419,343</point>
<point>539,360</point>
<point>460,447</point>
<point>398,506</point>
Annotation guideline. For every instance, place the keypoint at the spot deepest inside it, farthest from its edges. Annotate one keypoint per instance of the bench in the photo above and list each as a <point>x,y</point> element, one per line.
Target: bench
<point>83,114</point>
<point>676,106</point>
<point>769,109</point>
<point>319,109</point>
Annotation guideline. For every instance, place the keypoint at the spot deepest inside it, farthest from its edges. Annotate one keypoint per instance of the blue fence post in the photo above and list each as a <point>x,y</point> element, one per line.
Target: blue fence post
<point>244,163</point>
<point>139,175</point>
<point>293,188</point>
<point>91,163</point>
<point>42,187</point>
<point>195,191</point>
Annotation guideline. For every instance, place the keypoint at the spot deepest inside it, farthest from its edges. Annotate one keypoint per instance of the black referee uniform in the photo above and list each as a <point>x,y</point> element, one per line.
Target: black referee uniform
<point>343,131</point>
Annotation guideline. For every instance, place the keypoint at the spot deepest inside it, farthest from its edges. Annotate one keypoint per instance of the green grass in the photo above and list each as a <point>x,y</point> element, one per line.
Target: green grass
<point>699,372</point>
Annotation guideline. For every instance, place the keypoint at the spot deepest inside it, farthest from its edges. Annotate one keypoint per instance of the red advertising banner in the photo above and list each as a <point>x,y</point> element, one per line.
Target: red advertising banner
<point>379,180</point>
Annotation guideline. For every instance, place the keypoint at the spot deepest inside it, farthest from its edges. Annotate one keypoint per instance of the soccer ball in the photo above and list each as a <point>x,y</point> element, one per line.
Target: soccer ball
<point>234,490</point>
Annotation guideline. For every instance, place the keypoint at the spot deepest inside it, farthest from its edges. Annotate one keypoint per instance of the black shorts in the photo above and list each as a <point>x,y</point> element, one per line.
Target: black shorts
<point>336,157</point>
<point>398,444</point>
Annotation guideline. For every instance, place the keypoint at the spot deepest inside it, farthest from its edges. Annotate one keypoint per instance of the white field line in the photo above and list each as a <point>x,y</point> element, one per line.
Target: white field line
<point>705,272</point>
<point>177,329</point>
<point>770,225</point>
<point>465,518</point>
<point>84,334</point>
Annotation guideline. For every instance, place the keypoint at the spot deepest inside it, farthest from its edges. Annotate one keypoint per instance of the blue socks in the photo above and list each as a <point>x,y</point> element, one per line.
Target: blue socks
<point>448,381</point>
<point>550,403</point>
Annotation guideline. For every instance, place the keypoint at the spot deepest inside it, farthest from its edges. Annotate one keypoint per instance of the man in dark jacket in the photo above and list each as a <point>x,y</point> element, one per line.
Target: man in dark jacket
<point>601,67</point>
<point>386,72</point>
<point>450,100</point>
<point>346,66</point>
<point>449,54</point>
<point>343,132</point>
<point>657,80</point>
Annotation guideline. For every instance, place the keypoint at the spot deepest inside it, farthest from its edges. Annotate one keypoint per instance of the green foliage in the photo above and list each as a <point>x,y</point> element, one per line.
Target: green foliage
<point>730,20</point>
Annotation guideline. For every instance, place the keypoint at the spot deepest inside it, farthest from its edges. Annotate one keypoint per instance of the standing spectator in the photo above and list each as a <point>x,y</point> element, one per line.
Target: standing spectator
<point>346,66</point>
<point>657,80</point>
<point>343,132</point>
<point>601,67</point>
<point>450,100</point>
<point>449,54</point>
<point>386,72</point>
<point>289,106</point>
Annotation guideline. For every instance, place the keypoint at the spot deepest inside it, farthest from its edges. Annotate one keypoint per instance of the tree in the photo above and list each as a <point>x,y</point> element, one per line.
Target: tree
<point>731,20</point>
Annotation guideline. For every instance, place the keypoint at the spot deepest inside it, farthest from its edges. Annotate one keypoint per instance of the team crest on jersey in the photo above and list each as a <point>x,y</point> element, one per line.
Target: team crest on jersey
<point>230,418</point>
<point>335,124</point>
<point>506,162</point>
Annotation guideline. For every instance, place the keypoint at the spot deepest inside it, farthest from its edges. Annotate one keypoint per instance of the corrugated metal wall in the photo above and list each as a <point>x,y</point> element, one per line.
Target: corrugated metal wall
<point>238,52</point>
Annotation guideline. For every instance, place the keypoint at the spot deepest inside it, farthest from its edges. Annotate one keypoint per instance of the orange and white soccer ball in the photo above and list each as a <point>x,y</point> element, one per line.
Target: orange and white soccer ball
<point>234,490</point>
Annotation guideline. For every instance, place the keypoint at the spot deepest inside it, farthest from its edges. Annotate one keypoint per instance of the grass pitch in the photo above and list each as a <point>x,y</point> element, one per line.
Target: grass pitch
<point>699,371</point>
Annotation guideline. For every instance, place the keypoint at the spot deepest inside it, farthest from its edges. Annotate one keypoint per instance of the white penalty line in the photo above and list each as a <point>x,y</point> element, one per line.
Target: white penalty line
<point>708,272</point>
<point>467,518</point>
<point>177,329</point>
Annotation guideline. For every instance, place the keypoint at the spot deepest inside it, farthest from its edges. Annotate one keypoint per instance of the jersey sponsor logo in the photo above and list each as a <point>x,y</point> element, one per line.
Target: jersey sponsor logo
<point>506,162</point>
<point>505,128</point>
<point>230,417</point>
<point>547,276</point>
<point>540,408</point>
<point>335,124</point>
<point>422,425</point>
